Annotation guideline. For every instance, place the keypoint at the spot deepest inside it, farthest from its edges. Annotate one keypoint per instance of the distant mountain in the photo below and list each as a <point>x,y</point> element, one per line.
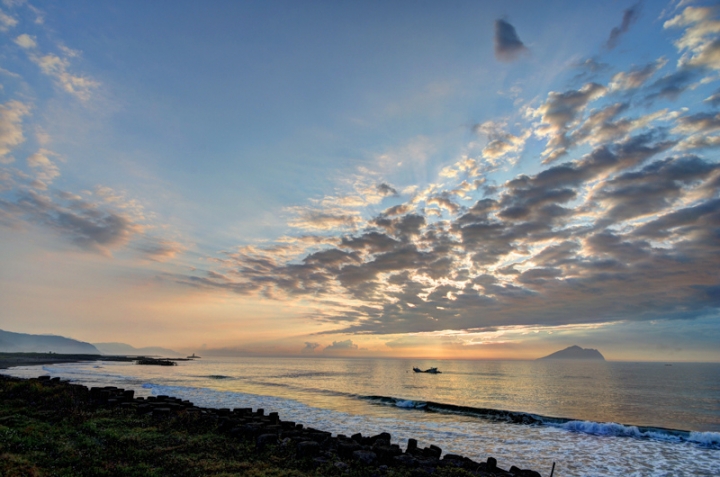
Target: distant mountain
<point>125,349</point>
<point>576,352</point>
<point>26,343</point>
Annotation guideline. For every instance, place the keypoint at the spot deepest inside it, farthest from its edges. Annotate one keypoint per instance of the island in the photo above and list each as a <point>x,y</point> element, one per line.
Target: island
<point>576,352</point>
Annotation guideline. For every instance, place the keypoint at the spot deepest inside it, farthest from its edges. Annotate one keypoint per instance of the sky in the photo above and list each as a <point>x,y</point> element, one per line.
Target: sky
<point>462,179</point>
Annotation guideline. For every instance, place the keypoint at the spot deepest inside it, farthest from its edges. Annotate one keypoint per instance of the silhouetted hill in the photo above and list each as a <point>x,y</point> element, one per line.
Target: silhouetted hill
<point>126,349</point>
<point>26,343</point>
<point>576,352</point>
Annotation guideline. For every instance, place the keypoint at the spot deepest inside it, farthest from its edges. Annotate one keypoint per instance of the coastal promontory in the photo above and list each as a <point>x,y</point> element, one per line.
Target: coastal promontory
<point>576,352</point>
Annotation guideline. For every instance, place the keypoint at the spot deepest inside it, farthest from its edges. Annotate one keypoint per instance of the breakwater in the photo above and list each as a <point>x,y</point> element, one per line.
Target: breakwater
<point>376,453</point>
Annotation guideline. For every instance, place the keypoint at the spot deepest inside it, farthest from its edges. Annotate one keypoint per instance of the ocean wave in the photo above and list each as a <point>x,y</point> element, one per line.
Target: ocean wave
<point>84,373</point>
<point>709,440</point>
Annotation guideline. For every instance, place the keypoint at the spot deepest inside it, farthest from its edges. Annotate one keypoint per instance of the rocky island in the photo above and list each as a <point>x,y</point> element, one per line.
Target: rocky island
<point>576,352</point>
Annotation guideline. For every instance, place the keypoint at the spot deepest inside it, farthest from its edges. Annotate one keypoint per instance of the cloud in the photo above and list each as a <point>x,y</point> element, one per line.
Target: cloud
<point>323,220</point>
<point>672,85</point>
<point>6,21</point>
<point>386,190</point>
<point>500,143</point>
<point>630,16</point>
<point>636,77</point>
<point>26,41</point>
<point>619,223</point>
<point>85,224</point>
<point>714,99</point>
<point>346,345</point>
<point>508,46</point>
<point>160,250</point>
<point>699,43</point>
<point>310,347</point>
<point>559,114</point>
<point>11,133</point>
<point>57,68</point>
<point>46,170</point>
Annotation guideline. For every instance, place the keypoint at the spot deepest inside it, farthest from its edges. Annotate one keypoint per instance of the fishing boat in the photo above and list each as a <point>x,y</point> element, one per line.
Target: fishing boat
<point>430,370</point>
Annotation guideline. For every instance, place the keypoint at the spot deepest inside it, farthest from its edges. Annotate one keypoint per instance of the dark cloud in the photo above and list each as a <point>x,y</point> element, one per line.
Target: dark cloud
<point>386,190</point>
<point>672,85</point>
<point>88,225</point>
<point>700,122</point>
<point>310,347</point>
<point>630,16</point>
<point>371,242</point>
<point>560,113</point>
<point>508,46</point>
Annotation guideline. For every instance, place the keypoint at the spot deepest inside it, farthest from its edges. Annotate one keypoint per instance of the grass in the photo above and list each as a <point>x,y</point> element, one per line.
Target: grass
<point>54,430</point>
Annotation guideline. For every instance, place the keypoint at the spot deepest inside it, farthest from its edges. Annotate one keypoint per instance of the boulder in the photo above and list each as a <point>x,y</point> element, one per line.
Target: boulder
<point>264,440</point>
<point>405,460</point>
<point>365,457</point>
<point>308,449</point>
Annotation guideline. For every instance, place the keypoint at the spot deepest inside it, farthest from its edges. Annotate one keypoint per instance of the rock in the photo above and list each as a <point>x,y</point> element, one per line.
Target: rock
<point>365,457</point>
<point>411,445</point>
<point>357,438</point>
<point>341,465</point>
<point>491,464</point>
<point>405,460</point>
<point>382,436</point>
<point>161,412</point>
<point>308,449</point>
<point>346,449</point>
<point>432,451</point>
<point>386,453</point>
<point>517,472</point>
<point>264,440</point>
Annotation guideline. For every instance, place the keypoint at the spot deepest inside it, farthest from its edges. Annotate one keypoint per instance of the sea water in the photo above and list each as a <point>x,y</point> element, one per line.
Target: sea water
<point>590,418</point>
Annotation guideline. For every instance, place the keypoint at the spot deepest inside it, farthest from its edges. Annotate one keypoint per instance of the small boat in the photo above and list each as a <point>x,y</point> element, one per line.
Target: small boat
<point>192,356</point>
<point>430,370</point>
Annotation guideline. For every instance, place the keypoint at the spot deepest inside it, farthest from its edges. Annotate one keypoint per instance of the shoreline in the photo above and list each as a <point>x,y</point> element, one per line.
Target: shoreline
<point>260,433</point>
<point>11,360</point>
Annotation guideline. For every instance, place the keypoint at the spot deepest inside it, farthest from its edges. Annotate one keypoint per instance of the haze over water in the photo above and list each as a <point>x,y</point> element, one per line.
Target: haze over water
<point>601,403</point>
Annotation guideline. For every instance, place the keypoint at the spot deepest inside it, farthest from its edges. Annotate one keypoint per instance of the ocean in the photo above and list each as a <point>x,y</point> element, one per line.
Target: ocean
<point>590,418</point>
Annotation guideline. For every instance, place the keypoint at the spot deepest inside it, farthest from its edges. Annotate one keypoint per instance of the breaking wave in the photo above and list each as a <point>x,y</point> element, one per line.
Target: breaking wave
<point>709,440</point>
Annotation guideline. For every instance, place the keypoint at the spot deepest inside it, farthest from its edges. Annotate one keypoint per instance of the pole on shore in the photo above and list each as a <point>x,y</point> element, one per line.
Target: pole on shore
<point>553,470</point>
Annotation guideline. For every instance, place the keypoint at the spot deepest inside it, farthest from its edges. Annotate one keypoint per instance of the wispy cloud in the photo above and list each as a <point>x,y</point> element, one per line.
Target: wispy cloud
<point>630,16</point>
<point>58,67</point>
<point>11,130</point>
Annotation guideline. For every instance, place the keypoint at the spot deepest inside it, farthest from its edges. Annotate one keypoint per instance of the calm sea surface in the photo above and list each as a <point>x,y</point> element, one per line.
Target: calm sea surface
<point>591,418</point>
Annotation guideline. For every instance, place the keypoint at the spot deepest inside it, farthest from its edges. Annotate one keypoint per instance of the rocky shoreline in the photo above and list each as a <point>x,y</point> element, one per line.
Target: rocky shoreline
<point>266,431</point>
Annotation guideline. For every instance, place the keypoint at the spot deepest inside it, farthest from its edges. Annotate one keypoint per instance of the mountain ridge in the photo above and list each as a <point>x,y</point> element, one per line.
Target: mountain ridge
<point>11,342</point>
